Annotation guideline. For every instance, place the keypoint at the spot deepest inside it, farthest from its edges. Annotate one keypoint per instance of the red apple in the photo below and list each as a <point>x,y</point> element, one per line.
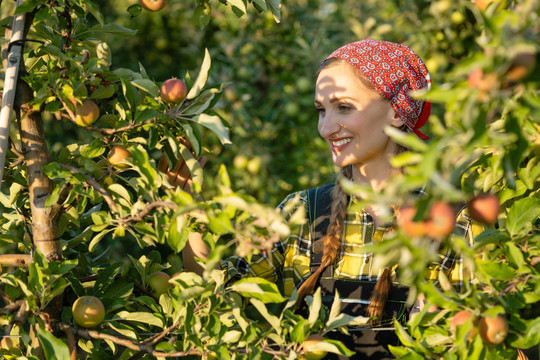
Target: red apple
<point>484,208</point>
<point>461,318</point>
<point>405,222</point>
<point>153,5</point>
<point>173,91</point>
<point>442,220</point>
<point>493,330</point>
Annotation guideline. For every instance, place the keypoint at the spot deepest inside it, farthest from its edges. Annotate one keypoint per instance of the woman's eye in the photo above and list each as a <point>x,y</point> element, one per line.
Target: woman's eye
<point>320,110</point>
<point>344,107</point>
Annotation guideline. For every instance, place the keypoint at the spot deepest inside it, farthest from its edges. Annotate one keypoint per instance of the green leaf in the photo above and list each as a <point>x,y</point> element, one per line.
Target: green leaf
<point>178,235</point>
<point>105,29</point>
<point>315,307</point>
<point>272,319</point>
<point>143,317</point>
<point>104,92</point>
<point>214,123</point>
<point>147,85</point>
<point>514,254</point>
<point>220,224</point>
<point>494,270</point>
<point>239,4</point>
<point>106,277</point>
<point>403,335</point>
<point>95,241</point>
<point>331,346</point>
<point>522,215</point>
<point>200,82</point>
<point>54,348</point>
<point>258,288</point>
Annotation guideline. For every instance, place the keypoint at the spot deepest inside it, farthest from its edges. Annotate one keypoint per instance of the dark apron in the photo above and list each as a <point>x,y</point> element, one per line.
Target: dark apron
<point>367,343</point>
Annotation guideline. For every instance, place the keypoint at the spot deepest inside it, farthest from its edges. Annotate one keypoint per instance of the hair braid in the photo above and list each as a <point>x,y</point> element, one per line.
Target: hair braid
<point>332,240</point>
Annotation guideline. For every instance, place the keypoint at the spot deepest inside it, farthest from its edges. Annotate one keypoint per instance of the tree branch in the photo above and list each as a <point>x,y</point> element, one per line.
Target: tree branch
<point>149,207</point>
<point>155,338</point>
<point>95,185</point>
<point>123,128</point>
<point>15,260</point>
<point>93,334</point>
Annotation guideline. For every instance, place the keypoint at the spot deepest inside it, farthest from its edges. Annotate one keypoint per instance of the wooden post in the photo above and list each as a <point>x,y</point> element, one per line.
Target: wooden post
<point>13,58</point>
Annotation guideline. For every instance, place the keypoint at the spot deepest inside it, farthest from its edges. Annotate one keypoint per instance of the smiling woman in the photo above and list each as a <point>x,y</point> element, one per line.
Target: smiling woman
<point>362,88</point>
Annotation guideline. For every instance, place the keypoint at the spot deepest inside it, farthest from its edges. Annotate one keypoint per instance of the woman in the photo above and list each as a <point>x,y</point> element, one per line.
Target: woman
<point>362,88</point>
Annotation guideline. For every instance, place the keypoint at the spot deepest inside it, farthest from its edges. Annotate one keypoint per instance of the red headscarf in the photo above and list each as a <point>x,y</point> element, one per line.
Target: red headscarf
<point>394,70</point>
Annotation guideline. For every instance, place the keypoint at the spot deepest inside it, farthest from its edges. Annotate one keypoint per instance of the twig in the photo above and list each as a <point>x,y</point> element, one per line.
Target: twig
<point>149,207</point>
<point>15,260</point>
<point>155,338</point>
<point>95,185</point>
<point>93,334</point>
<point>123,128</point>
<point>72,344</point>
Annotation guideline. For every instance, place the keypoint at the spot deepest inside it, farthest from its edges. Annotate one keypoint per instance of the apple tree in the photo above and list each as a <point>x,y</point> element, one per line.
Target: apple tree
<point>92,232</point>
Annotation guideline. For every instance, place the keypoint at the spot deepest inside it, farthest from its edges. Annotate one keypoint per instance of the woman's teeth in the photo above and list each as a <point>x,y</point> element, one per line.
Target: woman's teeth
<point>341,142</point>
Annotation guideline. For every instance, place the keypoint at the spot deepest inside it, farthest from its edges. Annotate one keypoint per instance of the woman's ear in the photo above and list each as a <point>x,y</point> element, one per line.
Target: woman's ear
<point>396,120</point>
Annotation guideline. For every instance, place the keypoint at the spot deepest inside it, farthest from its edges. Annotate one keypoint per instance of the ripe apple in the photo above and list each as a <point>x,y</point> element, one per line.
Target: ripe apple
<point>461,318</point>
<point>173,91</point>
<point>159,283</point>
<point>493,330</point>
<point>86,113</point>
<point>405,222</point>
<point>88,311</point>
<point>117,155</point>
<point>153,5</point>
<point>312,340</point>
<point>442,220</point>
<point>484,208</point>
<point>522,64</point>
<point>483,4</point>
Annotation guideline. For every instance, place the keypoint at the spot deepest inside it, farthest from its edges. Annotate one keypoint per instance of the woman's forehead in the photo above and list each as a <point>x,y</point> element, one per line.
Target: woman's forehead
<point>339,80</point>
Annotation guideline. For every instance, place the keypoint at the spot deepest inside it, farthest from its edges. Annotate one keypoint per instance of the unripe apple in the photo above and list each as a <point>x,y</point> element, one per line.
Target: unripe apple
<point>88,311</point>
<point>408,226</point>
<point>118,154</point>
<point>484,208</point>
<point>309,343</point>
<point>86,113</point>
<point>493,330</point>
<point>153,5</point>
<point>159,283</point>
<point>442,220</point>
<point>173,91</point>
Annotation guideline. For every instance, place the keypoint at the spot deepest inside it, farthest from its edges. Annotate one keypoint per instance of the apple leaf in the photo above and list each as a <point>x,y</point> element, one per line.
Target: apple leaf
<point>258,288</point>
<point>522,214</point>
<point>239,4</point>
<point>147,85</point>
<point>214,123</point>
<point>199,83</point>
<point>143,317</point>
<point>52,347</point>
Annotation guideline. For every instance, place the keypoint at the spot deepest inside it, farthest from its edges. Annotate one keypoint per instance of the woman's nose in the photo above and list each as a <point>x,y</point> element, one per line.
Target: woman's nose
<point>328,126</point>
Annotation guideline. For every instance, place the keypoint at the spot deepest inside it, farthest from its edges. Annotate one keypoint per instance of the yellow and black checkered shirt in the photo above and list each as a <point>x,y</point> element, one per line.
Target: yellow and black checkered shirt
<point>289,259</point>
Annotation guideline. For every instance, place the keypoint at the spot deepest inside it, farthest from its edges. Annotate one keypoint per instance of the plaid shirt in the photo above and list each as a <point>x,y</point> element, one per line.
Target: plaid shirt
<point>289,260</point>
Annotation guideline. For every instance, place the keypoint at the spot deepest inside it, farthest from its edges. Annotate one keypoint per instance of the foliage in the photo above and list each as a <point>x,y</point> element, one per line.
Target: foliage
<point>250,71</point>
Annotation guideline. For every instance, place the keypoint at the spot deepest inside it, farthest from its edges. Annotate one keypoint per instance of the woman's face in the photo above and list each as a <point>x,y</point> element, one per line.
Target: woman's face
<point>352,117</point>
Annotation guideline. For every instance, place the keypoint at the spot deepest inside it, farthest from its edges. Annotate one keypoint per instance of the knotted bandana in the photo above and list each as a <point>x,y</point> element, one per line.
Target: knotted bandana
<point>394,70</point>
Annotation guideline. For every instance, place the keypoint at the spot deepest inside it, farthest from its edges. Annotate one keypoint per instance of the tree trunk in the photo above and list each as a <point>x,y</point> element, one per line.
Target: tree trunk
<point>34,146</point>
